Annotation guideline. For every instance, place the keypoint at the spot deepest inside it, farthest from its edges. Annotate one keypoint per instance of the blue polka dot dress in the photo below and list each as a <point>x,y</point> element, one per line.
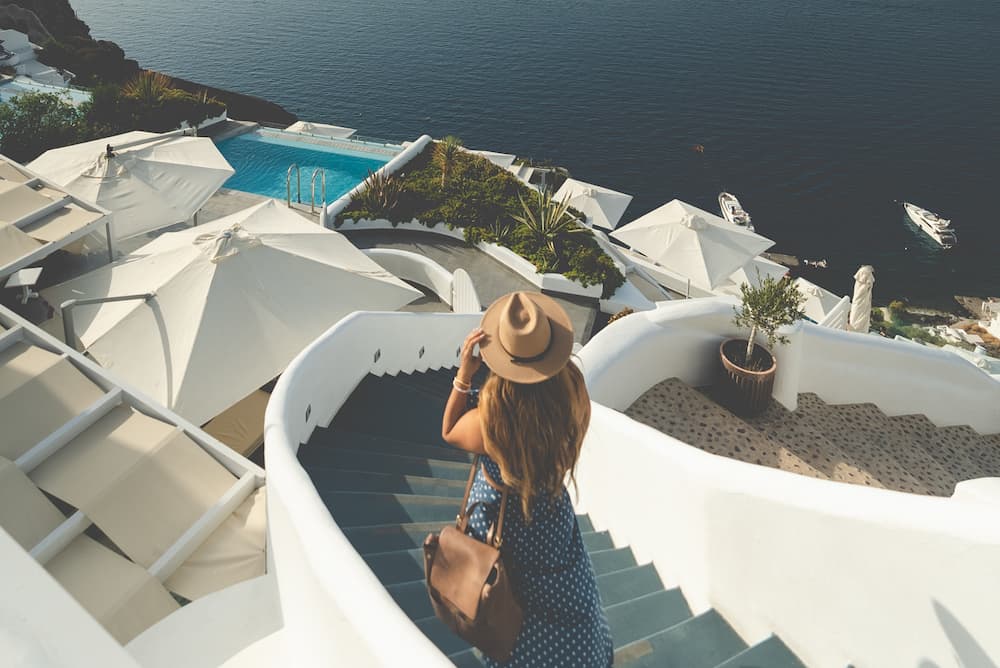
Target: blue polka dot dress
<point>552,577</point>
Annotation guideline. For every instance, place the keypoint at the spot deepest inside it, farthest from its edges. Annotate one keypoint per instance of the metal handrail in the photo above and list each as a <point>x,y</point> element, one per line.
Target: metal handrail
<point>288,185</point>
<point>66,310</point>
<point>312,188</point>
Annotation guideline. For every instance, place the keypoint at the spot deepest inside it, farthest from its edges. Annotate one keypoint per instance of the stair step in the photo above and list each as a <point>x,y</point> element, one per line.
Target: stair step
<point>466,659</point>
<point>345,480</point>
<point>324,442</point>
<point>841,427</point>
<point>356,460</point>
<point>811,444</point>
<point>879,432</point>
<point>441,636</point>
<point>675,408</point>
<point>771,653</point>
<point>615,587</point>
<point>415,415</point>
<point>390,537</point>
<point>403,566</point>
<point>646,615</point>
<point>351,509</point>
<point>954,454</point>
<point>704,641</point>
<point>606,561</point>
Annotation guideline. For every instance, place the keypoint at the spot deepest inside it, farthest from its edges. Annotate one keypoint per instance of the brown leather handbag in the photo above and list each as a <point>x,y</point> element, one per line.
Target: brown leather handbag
<point>469,586</point>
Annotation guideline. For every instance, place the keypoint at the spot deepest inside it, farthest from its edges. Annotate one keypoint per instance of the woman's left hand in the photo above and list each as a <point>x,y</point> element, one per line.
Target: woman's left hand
<point>468,362</point>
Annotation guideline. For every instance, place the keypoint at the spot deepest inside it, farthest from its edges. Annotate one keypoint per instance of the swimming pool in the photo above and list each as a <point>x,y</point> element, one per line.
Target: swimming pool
<point>20,85</point>
<point>262,158</point>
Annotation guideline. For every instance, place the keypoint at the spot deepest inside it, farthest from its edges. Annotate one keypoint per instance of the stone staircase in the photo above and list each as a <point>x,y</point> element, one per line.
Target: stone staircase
<point>853,443</point>
<point>388,480</point>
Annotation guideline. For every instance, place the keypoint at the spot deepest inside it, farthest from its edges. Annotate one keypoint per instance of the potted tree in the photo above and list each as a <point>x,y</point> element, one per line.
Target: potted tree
<point>748,367</point>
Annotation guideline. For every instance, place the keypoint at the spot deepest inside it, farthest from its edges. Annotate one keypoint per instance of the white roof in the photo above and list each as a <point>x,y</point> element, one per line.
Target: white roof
<point>235,301</point>
<point>501,160</point>
<point>321,129</point>
<point>602,206</point>
<point>164,180</point>
<point>38,218</point>
<point>693,243</point>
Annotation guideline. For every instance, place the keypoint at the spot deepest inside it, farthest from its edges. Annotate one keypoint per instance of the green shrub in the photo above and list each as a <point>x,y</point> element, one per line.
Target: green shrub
<point>484,200</point>
<point>897,309</point>
<point>32,123</point>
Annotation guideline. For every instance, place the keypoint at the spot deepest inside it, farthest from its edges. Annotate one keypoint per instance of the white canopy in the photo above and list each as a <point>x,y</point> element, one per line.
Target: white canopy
<point>752,273</point>
<point>819,301</point>
<point>602,206</point>
<point>693,243</point>
<point>158,182</point>
<point>235,300</point>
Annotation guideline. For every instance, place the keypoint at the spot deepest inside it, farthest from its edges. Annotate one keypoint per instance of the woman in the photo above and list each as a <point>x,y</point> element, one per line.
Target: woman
<point>529,425</point>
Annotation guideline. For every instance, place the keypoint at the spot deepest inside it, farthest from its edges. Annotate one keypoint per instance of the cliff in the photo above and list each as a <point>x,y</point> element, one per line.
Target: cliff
<point>54,22</point>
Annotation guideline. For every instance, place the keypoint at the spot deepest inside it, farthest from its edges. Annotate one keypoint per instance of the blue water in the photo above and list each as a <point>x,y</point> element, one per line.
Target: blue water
<point>816,114</point>
<point>262,163</point>
<point>21,85</point>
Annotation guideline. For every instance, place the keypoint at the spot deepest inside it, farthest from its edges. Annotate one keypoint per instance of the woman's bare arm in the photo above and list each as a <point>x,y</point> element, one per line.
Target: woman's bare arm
<point>459,425</point>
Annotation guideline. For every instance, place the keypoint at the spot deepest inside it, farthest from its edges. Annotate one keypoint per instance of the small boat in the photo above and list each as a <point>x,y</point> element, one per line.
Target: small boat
<point>733,212</point>
<point>817,264</point>
<point>936,227</point>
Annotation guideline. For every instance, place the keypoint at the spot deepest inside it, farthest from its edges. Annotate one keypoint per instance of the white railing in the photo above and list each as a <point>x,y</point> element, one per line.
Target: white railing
<point>336,612</point>
<point>464,297</point>
<point>681,339</point>
<point>844,574</point>
<point>416,268</point>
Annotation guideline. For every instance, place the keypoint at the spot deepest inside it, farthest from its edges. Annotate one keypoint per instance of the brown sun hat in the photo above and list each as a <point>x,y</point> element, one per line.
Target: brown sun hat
<point>529,337</point>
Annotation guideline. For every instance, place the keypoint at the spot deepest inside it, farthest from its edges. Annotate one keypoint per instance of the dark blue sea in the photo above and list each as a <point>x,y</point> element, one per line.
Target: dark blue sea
<point>818,114</point>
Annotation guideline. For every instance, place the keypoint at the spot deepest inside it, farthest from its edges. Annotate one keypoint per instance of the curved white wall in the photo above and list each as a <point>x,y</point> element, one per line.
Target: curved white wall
<point>843,574</point>
<point>681,338</point>
<point>390,167</point>
<point>416,268</point>
<point>335,610</point>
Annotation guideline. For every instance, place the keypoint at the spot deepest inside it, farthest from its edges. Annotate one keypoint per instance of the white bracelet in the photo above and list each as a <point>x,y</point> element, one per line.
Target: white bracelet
<point>455,383</point>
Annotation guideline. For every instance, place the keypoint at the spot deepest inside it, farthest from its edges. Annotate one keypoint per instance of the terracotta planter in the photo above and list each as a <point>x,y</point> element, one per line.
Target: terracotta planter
<point>745,392</point>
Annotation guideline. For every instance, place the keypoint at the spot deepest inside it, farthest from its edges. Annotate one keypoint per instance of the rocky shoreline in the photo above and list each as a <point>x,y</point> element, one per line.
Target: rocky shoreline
<point>46,20</point>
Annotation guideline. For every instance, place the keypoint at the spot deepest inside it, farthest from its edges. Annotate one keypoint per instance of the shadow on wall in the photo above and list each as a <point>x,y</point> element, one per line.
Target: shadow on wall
<point>968,652</point>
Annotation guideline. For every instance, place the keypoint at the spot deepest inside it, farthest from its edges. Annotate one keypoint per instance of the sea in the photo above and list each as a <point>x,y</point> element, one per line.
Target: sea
<point>818,114</point>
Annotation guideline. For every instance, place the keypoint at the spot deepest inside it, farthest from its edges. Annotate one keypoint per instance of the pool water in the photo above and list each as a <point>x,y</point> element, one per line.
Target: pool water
<point>262,161</point>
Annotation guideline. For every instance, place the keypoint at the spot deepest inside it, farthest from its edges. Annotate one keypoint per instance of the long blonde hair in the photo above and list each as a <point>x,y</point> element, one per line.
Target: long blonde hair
<point>535,432</point>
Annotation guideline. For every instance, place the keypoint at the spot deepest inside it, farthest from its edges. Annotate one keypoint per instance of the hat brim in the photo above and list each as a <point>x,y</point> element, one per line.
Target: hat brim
<point>499,360</point>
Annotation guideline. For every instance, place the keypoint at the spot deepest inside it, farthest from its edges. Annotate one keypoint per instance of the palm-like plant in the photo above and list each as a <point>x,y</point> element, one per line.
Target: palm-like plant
<point>548,220</point>
<point>150,88</point>
<point>381,192</point>
<point>446,155</point>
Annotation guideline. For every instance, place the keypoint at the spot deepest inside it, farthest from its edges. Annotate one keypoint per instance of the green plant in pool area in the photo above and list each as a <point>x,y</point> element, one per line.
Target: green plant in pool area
<point>548,221</point>
<point>446,153</point>
<point>32,123</point>
<point>150,88</point>
<point>483,200</point>
<point>765,308</point>
<point>380,195</point>
<point>897,309</point>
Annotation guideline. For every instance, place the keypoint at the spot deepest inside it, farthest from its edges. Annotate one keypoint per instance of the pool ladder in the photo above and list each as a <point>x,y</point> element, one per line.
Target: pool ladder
<point>298,186</point>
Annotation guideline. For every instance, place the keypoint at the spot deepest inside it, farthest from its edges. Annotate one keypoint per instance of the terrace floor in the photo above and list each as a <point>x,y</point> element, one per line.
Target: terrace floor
<point>852,443</point>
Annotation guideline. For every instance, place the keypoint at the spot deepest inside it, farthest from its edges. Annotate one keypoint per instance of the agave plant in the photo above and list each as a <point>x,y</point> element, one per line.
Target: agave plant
<point>150,88</point>
<point>548,220</point>
<point>380,195</point>
<point>500,231</point>
<point>446,155</point>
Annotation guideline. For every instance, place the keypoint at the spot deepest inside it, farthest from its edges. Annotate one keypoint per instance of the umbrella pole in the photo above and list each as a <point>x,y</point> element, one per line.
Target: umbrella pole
<point>111,248</point>
<point>66,310</point>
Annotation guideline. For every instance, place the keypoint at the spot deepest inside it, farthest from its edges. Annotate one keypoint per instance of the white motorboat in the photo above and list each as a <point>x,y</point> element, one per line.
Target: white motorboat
<point>733,211</point>
<point>936,227</point>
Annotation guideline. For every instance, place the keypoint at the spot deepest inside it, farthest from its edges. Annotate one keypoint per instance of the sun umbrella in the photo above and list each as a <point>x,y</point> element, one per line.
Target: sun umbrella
<point>756,270</point>
<point>861,304</point>
<point>234,301</point>
<point>602,206</point>
<point>819,301</point>
<point>147,181</point>
<point>693,243</point>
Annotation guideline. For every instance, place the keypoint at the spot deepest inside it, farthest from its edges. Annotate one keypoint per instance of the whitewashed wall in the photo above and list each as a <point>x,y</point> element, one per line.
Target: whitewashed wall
<point>416,268</point>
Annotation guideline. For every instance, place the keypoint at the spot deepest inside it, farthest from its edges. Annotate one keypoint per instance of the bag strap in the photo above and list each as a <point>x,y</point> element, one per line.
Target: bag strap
<point>462,519</point>
<point>495,535</point>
